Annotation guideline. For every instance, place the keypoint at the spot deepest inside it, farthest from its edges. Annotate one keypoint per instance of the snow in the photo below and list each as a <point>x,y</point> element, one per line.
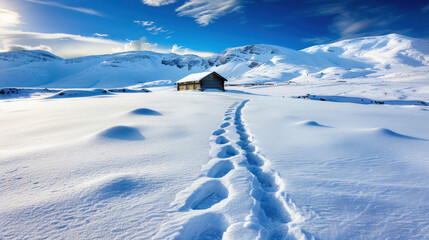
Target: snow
<point>194,77</point>
<point>338,155</point>
<point>160,166</point>
<point>359,171</point>
<point>354,59</point>
<point>72,166</point>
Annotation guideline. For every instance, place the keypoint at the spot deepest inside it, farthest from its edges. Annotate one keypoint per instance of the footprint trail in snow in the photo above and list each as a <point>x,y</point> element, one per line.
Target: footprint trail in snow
<point>237,196</point>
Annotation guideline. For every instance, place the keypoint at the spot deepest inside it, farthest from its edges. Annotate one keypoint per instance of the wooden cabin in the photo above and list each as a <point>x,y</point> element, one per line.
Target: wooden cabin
<point>202,81</point>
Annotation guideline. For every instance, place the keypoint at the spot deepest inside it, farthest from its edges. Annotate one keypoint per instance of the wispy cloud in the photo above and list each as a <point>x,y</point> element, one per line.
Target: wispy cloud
<point>101,35</point>
<point>425,8</point>
<point>77,9</point>
<point>144,23</point>
<point>206,11</point>
<point>152,28</point>
<point>70,45</point>
<point>62,44</point>
<point>272,25</point>
<point>158,3</point>
<point>354,19</point>
<point>17,47</point>
<point>8,18</point>
<point>156,30</point>
<point>316,40</point>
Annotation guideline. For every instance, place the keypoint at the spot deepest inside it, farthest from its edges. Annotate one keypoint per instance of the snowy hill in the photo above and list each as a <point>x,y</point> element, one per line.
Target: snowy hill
<point>248,64</point>
<point>116,70</point>
<point>383,52</point>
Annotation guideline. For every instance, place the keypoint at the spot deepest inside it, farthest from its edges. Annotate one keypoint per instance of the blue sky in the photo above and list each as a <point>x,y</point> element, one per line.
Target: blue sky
<point>80,27</point>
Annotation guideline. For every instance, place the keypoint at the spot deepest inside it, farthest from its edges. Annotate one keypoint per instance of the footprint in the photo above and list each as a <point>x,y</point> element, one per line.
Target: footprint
<point>254,160</point>
<point>240,129</point>
<point>204,227</point>
<point>273,209</point>
<point>227,151</point>
<point>224,125</point>
<point>222,140</point>
<point>220,169</point>
<point>227,118</point>
<point>205,196</point>
<point>219,132</point>
<point>245,145</point>
<point>266,180</point>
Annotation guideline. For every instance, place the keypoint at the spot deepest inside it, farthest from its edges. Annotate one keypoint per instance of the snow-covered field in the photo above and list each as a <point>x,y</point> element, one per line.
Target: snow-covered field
<point>104,147</point>
<point>201,165</point>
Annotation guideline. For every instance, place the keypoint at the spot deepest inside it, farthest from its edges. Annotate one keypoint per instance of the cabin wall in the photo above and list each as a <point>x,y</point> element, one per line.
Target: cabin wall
<point>212,81</point>
<point>188,86</point>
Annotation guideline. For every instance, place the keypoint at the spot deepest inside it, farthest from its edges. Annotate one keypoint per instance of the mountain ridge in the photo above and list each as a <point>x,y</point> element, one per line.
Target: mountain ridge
<point>256,63</point>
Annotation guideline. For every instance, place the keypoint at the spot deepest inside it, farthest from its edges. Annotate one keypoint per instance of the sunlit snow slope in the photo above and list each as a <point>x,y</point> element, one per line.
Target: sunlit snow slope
<point>348,59</point>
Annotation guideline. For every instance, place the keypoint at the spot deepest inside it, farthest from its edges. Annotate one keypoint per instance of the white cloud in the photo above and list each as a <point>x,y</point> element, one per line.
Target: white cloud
<point>183,51</point>
<point>206,11</point>
<point>77,9</point>
<point>8,18</point>
<point>158,3</point>
<point>69,45</point>
<point>151,27</point>
<point>61,44</point>
<point>144,23</point>
<point>101,35</point>
<point>17,47</point>
<point>175,49</point>
<point>156,30</point>
<point>139,45</point>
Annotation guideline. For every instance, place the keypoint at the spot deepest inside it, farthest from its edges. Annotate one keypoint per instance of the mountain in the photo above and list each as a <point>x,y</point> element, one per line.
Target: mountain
<point>258,63</point>
<point>382,52</point>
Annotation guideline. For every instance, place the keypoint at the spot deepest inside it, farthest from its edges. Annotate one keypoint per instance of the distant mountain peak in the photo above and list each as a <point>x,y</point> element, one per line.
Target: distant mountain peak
<point>255,63</point>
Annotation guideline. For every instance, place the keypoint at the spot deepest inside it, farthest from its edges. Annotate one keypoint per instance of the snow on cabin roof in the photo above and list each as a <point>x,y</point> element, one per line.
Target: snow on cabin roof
<point>194,77</point>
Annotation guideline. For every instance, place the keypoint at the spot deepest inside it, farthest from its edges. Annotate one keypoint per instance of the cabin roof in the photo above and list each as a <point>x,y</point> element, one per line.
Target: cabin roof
<point>196,77</point>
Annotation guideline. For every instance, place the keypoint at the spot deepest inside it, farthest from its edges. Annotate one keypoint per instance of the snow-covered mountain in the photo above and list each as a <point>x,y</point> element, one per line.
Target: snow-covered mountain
<point>248,64</point>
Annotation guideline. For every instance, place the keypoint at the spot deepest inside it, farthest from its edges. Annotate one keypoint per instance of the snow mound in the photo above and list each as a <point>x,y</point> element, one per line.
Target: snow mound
<point>114,186</point>
<point>310,123</point>
<point>121,133</point>
<point>360,100</point>
<point>389,133</point>
<point>146,111</point>
<point>80,93</point>
<point>26,92</point>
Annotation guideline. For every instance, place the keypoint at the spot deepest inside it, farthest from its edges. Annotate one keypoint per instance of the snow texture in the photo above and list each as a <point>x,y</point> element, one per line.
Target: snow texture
<point>336,154</point>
